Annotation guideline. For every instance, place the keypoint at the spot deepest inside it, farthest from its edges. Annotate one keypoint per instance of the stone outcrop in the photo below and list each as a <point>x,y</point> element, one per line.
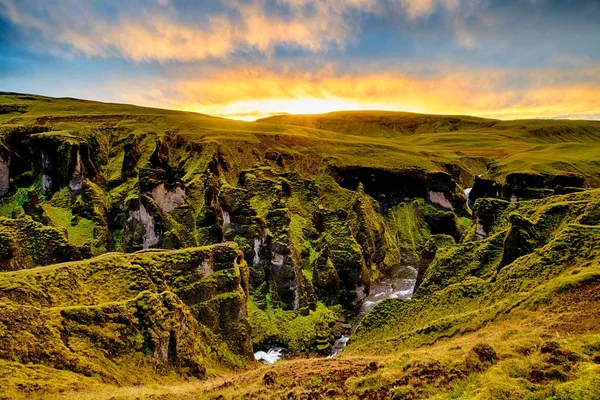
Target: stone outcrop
<point>4,174</point>
<point>141,228</point>
<point>167,199</point>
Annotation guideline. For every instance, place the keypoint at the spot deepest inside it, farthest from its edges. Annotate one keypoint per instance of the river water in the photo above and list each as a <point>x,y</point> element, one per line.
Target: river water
<point>269,357</point>
<point>399,283</point>
<point>468,193</point>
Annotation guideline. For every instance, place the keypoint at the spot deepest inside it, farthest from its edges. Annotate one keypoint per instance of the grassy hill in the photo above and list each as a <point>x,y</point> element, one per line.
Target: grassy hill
<point>546,146</point>
<point>140,248</point>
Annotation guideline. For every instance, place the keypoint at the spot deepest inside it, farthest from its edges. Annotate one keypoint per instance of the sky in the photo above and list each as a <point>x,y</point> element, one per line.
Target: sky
<point>247,59</point>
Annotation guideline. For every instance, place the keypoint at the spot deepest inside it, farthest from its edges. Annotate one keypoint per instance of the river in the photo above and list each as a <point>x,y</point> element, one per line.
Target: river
<point>399,283</point>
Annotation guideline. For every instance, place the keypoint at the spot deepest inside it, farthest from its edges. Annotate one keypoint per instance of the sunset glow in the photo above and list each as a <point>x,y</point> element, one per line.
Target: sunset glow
<point>247,59</point>
<point>247,110</point>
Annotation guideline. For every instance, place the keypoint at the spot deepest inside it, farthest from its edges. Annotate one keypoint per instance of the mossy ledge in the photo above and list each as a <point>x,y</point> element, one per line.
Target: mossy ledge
<point>130,318</point>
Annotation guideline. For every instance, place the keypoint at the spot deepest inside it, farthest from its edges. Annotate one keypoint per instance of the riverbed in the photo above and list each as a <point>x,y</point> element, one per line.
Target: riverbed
<point>399,283</point>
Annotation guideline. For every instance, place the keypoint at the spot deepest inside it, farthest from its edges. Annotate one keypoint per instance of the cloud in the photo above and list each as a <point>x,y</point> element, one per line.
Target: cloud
<point>418,8</point>
<point>250,93</point>
<point>140,31</point>
<point>143,31</point>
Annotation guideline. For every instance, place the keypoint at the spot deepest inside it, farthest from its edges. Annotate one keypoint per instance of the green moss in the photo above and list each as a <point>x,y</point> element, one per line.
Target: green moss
<point>80,230</point>
<point>312,333</point>
<point>30,243</point>
<point>409,228</point>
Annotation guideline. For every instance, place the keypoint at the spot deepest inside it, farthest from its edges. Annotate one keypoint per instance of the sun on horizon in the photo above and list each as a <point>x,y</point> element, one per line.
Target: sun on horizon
<point>247,59</point>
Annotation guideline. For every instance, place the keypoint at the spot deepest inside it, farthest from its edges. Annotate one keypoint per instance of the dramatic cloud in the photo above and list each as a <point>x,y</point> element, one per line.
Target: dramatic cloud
<point>250,58</point>
<point>144,31</point>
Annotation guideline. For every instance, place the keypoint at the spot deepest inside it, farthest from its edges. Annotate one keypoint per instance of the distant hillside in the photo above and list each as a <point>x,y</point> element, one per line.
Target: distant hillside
<point>382,123</point>
<point>531,146</point>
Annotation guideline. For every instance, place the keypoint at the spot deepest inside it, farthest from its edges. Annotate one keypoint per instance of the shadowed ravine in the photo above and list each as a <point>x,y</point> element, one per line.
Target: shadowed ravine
<point>399,283</point>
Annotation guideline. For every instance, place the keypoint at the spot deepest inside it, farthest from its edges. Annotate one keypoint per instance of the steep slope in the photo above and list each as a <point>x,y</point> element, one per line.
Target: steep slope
<point>127,319</point>
<point>311,220</point>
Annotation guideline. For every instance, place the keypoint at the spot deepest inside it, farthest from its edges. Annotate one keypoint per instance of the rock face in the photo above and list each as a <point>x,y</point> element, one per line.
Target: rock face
<point>142,228</point>
<point>525,186</point>
<point>440,199</point>
<point>49,181</point>
<point>390,187</point>
<point>4,175</point>
<point>76,181</point>
<point>176,311</point>
<point>167,199</point>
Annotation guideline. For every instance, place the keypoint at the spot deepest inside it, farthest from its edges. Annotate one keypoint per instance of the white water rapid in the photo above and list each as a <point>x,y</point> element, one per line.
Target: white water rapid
<point>399,284</point>
<point>269,357</point>
<point>468,193</point>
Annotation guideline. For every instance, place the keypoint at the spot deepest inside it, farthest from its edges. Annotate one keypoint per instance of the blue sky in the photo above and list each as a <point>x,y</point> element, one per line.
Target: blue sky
<point>250,58</point>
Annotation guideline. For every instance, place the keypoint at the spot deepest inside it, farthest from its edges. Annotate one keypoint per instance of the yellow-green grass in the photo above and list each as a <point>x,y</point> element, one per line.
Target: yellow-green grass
<point>79,234</point>
<point>512,145</point>
<point>449,372</point>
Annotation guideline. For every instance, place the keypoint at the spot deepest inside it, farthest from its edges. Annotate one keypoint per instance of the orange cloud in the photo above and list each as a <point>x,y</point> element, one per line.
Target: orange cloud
<point>253,93</point>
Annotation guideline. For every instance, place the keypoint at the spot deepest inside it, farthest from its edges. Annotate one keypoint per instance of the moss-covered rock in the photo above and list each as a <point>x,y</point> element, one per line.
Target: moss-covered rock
<point>175,296</point>
<point>522,238</point>
<point>25,243</point>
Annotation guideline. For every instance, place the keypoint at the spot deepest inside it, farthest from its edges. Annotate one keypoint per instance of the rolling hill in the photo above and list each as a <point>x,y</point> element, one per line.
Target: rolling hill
<point>147,253</point>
